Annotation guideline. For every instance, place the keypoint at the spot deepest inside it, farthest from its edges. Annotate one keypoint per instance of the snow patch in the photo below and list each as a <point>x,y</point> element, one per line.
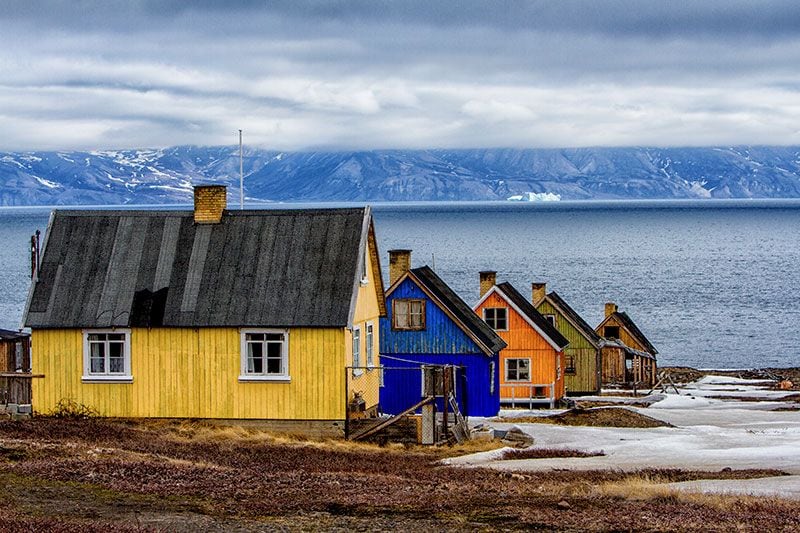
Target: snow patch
<point>47,183</point>
<point>535,197</point>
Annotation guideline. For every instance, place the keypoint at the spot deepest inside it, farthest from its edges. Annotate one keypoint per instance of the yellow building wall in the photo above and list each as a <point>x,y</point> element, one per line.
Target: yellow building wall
<point>194,373</point>
<point>368,310</point>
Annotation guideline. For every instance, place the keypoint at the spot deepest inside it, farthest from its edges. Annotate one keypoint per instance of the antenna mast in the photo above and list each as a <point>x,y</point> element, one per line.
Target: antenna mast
<point>241,173</point>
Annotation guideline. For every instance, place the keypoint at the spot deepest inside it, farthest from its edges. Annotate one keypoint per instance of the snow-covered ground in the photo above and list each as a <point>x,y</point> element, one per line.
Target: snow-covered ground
<point>710,434</point>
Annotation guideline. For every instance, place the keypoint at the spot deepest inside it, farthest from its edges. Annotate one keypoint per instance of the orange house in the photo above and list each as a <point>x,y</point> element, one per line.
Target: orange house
<point>532,364</point>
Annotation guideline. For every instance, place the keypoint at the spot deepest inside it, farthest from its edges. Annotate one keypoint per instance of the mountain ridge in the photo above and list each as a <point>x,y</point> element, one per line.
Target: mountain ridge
<point>166,175</point>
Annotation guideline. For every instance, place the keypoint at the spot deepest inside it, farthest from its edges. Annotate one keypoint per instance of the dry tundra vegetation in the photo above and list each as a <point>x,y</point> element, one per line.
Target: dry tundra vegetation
<point>79,473</point>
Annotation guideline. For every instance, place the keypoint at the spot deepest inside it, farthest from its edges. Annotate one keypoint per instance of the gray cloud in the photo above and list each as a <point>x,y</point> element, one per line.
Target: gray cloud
<point>380,74</point>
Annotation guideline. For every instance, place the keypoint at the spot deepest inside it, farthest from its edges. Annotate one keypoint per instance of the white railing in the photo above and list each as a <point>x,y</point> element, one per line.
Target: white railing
<point>531,397</point>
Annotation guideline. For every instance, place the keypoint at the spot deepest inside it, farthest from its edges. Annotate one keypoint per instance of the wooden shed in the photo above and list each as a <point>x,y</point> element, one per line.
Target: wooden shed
<point>582,354</point>
<point>15,367</point>
<point>627,355</point>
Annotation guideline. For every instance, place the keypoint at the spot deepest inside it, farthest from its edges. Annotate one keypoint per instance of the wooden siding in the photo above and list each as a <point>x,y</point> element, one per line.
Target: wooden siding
<point>525,342</point>
<point>586,378</point>
<point>481,394</point>
<point>440,336</point>
<point>368,310</point>
<point>193,373</point>
<point>8,354</point>
<point>628,339</point>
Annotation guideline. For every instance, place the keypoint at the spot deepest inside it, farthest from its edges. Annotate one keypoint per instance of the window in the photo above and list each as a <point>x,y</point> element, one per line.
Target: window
<point>265,355</point>
<point>570,365</point>
<point>496,317</point>
<point>518,369</point>
<point>106,356</point>
<point>611,332</point>
<point>370,345</point>
<point>408,314</point>
<point>357,351</point>
<point>364,265</point>
<point>551,319</point>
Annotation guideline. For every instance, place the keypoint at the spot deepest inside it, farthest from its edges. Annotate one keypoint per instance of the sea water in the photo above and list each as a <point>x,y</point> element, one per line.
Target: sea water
<point>711,283</point>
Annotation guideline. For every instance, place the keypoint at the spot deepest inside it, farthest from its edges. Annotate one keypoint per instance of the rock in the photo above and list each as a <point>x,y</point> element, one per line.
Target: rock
<point>516,437</point>
<point>563,505</point>
<point>785,384</point>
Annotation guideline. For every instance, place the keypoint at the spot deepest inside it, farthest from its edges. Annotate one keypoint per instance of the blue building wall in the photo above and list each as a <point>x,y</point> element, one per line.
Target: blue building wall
<point>441,334</point>
<point>442,342</point>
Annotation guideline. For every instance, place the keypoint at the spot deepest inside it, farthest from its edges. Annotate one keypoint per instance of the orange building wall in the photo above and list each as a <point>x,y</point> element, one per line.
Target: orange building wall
<point>525,342</point>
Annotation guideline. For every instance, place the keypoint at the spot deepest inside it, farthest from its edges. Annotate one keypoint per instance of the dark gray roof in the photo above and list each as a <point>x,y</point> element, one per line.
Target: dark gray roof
<point>281,268</point>
<point>582,326</point>
<point>459,308</point>
<point>9,335</point>
<point>633,329</point>
<point>526,307</point>
<point>627,349</point>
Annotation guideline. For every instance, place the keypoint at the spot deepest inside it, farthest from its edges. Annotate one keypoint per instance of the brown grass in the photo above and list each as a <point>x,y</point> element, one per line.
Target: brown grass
<point>546,453</point>
<point>97,474</point>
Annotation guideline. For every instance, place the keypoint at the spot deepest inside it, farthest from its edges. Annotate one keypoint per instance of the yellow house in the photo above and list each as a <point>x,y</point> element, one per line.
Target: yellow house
<point>218,314</point>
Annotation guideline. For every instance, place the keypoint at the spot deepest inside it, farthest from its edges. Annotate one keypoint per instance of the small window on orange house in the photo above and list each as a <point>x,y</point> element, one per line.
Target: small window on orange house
<point>496,317</point>
<point>611,332</point>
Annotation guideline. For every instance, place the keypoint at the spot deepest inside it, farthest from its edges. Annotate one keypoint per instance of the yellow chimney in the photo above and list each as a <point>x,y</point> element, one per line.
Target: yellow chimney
<point>611,308</point>
<point>538,292</point>
<point>488,280</point>
<point>399,264</point>
<point>209,203</point>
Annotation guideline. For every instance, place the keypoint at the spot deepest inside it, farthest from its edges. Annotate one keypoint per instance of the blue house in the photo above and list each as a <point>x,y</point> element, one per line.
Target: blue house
<point>429,324</point>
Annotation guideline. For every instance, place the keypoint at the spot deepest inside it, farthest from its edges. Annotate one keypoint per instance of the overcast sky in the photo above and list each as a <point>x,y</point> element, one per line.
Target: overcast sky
<point>372,74</point>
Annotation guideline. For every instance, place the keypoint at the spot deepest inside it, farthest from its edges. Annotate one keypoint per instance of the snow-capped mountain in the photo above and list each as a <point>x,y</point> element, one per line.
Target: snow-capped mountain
<point>167,175</point>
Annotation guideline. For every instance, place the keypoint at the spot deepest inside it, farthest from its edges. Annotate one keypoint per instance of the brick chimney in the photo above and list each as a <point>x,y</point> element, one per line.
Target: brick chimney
<point>488,280</point>
<point>399,264</point>
<point>209,203</point>
<point>611,308</point>
<point>538,292</point>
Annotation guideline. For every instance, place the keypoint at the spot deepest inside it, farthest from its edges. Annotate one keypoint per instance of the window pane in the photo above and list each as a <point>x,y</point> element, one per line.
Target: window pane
<point>97,366</point>
<point>274,358</point>
<point>400,317</point>
<point>254,337</point>
<point>97,337</point>
<point>274,337</point>
<point>115,336</point>
<point>523,372</point>
<point>274,366</point>
<point>116,365</point>
<point>115,349</point>
<point>255,358</point>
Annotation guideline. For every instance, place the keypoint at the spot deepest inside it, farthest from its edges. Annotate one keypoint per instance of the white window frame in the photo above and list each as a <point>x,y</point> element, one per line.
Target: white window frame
<point>364,266</point>
<point>509,380</point>
<point>106,377</point>
<point>550,318</point>
<point>281,378</point>
<point>369,344</point>
<point>356,338</point>
<point>495,309</point>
